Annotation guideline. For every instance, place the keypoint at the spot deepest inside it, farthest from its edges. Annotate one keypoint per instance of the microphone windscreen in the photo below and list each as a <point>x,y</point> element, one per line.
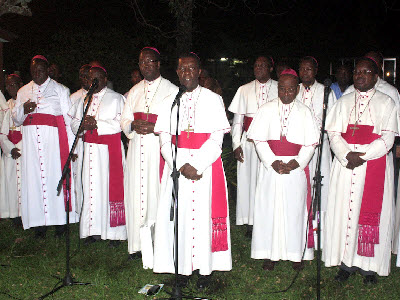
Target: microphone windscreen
<point>182,89</point>
<point>327,82</point>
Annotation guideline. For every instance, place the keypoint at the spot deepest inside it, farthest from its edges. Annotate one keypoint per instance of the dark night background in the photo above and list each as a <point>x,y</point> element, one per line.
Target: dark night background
<point>72,33</point>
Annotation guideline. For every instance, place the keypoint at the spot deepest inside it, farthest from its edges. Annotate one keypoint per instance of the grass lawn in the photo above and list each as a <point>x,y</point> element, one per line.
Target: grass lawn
<point>29,264</point>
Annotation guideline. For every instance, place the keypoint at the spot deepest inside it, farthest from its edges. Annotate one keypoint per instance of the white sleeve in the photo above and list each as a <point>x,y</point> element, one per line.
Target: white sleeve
<point>111,126</point>
<point>237,127</point>
<point>265,154</point>
<point>379,147</point>
<point>5,143</point>
<point>208,153</point>
<point>166,151</point>
<point>127,117</point>
<point>65,103</point>
<point>75,113</point>
<point>339,147</point>
<point>305,155</point>
<point>18,111</point>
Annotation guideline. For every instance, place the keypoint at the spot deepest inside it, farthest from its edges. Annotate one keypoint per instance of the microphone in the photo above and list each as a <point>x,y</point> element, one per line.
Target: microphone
<point>93,86</point>
<point>177,100</point>
<point>327,82</point>
<point>327,85</point>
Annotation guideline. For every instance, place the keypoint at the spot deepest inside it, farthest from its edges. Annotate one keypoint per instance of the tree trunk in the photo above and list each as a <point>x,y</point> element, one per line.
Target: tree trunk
<point>184,13</point>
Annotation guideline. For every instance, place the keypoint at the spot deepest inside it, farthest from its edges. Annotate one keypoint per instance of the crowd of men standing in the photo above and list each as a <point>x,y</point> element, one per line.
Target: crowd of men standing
<point>275,137</point>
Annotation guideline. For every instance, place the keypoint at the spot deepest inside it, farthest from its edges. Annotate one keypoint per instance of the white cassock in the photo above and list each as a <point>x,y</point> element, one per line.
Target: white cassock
<point>3,107</point>
<point>142,178</point>
<point>40,159</point>
<point>281,208</point>
<point>10,171</point>
<point>77,164</point>
<point>106,108</point>
<point>388,89</point>
<point>248,99</point>
<point>202,111</point>
<point>345,216</point>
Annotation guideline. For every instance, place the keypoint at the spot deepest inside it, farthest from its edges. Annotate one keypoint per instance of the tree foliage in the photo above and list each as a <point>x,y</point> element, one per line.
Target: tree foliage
<point>19,7</point>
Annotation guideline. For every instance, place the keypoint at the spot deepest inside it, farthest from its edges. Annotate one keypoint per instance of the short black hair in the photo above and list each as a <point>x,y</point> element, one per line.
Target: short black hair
<point>309,59</point>
<point>85,67</point>
<point>373,63</point>
<point>42,61</point>
<point>269,59</point>
<point>187,55</point>
<point>149,50</point>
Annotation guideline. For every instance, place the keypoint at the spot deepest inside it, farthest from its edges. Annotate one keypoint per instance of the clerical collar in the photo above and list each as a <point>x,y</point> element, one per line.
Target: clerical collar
<point>194,91</point>
<point>101,93</point>
<point>154,81</point>
<point>367,93</point>
<point>307,88</point>
<point>44,84</point>
<point>262,84</point>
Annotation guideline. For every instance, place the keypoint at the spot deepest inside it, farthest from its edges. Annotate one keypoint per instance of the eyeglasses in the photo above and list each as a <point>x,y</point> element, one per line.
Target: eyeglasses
<point>146,62</point>
<point>184,69</point>
<point>305,69</point>
<point>362,72</point>
<point>287,90</point>
<point>261,66</point>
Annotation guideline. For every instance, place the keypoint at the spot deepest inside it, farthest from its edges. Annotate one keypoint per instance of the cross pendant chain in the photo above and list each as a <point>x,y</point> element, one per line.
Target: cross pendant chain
<point>188,130</point>
<point>354,128</point>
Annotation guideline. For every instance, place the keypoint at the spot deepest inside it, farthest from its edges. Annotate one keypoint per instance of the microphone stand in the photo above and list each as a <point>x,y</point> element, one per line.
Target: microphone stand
<point>177,290</point>
<point>318,185</point>
<point>68,280</point>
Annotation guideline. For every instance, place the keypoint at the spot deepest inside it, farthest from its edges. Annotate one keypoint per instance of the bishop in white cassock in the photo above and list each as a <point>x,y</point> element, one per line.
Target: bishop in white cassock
<point>285,134</point>
<point>103,211</point>
<point>359,219</point>
<point>41,107</point>
<point>77,164</point>
<point>142,178</point>
<point>245,104</point>
<point>203,233</point>
<point>388,89</point>
<point>312,94</point>
<point>11,144</point>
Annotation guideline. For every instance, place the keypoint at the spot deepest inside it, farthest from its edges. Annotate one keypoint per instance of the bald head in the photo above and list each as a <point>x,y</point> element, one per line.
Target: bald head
<point>288,88</point>
<point>99,74</point>
<point>13,84</point>
<point>39,71</point>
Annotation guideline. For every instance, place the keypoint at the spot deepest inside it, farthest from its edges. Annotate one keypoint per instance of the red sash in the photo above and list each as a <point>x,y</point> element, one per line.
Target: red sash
<point>14,136</point>
<point>218,201</point>
<point>116,174</point>
<point>371,205</point>
<point>152,118</point>
<point>285,148</point>
<point>54,121</point>
<point>246,123</point>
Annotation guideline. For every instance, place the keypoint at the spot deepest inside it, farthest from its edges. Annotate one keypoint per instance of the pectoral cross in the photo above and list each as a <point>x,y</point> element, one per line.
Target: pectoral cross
<point>12,128</point>
<point>188,130</point>
<point>147,113</point>
<point>354,128</point>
